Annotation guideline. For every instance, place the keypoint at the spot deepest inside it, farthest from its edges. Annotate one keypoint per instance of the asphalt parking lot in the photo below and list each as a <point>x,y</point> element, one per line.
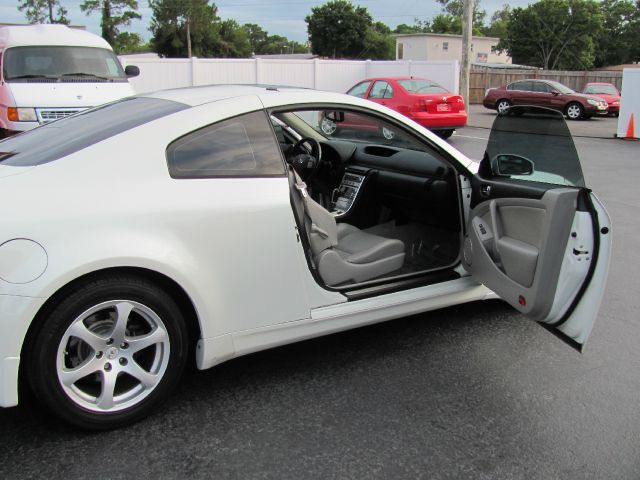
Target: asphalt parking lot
<point>472,392</point>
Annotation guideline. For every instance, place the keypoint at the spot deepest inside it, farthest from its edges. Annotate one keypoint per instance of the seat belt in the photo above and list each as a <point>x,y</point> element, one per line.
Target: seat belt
<point>324,231</point>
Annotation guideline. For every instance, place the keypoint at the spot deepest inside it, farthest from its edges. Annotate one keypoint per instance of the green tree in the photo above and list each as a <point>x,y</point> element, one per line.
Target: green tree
<point>257,37</point>
<point>264,44</point>
<point>379,44</point>
<point>276,44</point>
<point>43,11</point>
<point>127,42</point>
<point>114,13</point>
<point>172,18</point>
<point>454,10</point>
<point>234,40</point>
<point>446,23</point>
<point>619,40</point>
<point>340,29</point>
<point>499,23</point>
<point>419,26</point>
<point>554,34</point>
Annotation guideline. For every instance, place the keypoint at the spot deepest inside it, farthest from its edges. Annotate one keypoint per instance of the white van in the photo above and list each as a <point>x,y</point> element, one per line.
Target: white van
<point>52,71</point>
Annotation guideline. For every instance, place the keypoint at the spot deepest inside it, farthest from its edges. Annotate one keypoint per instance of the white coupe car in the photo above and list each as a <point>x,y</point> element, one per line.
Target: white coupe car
<point>198,225</point>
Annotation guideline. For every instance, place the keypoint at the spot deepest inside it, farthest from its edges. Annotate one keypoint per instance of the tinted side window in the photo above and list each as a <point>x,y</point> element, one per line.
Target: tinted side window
<point>541,87</point>
<point>540,136</point>
<point>242,146</point>
<point>522,86</point>
<point>381,89</point>
<point>63,137</point>
<point>359,90</point>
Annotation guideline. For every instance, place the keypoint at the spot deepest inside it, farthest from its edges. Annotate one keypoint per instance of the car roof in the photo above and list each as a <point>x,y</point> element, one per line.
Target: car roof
<point>194,96</point>
<point>599,83</point>
<point>45,35</point>
<point>395,78</point>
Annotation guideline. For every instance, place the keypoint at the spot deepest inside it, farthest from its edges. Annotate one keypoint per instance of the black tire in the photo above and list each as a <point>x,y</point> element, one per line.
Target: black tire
<point>54,349</point>
<point>574,111</point>
<point>502,105</point>
<point>444,133</point>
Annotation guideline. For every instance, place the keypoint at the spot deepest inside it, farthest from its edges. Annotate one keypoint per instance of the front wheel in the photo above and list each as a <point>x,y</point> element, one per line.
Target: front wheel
<point>503,105</point>
<point>109,353</point>
<point>574,111</point>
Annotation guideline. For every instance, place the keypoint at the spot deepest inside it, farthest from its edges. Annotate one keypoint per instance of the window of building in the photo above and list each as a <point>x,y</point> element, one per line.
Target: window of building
<point>400,51</point>
<point>445,46</point>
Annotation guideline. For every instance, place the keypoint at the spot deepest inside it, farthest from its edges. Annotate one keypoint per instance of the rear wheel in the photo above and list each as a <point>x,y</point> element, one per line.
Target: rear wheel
<point>109,353</point>
<point>574,111</point>
<point>444,133</point>
<point>503,105</point>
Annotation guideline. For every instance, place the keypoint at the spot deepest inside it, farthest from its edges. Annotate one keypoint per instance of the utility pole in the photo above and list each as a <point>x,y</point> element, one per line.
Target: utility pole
<point>188,37</point>
<point>467,32</point>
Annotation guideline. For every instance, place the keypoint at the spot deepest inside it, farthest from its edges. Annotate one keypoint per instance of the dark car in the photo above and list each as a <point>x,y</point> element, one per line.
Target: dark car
<point>545,93</point>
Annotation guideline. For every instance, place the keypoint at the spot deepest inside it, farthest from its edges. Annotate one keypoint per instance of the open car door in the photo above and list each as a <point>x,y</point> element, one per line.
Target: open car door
<point>536,235</point>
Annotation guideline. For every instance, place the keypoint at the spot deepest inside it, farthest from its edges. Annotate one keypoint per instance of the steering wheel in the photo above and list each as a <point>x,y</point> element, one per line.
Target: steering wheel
<point>305,157</point>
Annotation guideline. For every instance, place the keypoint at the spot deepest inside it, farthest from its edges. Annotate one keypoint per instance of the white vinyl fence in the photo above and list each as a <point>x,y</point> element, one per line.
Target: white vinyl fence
<point>330,75</point>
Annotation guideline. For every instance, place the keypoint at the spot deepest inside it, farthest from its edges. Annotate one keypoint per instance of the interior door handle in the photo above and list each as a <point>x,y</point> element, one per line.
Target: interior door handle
<point>485,190</point>
<point>495,226</point>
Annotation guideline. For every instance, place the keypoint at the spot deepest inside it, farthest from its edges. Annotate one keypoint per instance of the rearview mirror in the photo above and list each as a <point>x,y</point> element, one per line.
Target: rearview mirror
<point>131,71</point>
<point>334,116</point>
<point>507,164</point>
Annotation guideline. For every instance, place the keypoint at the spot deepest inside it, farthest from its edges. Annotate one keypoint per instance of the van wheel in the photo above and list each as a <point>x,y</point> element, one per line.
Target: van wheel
<point>109,353</point>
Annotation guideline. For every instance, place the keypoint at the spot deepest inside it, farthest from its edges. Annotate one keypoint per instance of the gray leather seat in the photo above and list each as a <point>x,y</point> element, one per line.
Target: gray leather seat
<point>341,252</point>
<point>358,256</point>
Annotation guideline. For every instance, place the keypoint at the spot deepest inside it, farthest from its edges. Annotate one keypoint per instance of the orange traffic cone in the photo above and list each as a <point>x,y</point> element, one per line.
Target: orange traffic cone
<point>630,135</point>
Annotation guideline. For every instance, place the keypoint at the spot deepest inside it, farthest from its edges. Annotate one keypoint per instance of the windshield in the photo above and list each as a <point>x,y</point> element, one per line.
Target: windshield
<point>61,64</point>
<point>606,89</point>
<point>561,88</point>
<point>541,136</point>
<point>354,127</point>
<point>416,85</point>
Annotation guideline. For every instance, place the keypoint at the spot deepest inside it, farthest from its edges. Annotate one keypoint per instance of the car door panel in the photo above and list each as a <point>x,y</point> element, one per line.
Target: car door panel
<point>542,247</point>
<point>505,242</point>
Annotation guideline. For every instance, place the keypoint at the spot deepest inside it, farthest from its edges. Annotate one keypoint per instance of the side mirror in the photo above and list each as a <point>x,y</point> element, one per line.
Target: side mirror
<point>131,71</point>
<point>508,164</point>
<point>334,116</point>
<point>555,93</point>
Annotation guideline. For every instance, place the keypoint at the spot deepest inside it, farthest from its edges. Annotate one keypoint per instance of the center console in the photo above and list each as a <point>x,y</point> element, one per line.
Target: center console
<point>345,195</point>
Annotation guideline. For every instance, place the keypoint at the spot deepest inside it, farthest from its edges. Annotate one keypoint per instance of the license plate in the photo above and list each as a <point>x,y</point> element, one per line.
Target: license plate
<point>443,107</point>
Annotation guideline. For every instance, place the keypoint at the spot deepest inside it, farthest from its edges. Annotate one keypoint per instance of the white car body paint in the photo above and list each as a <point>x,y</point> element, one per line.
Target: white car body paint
<point>208,235</point>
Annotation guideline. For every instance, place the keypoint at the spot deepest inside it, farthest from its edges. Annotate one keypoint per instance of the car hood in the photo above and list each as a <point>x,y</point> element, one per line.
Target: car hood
<point>10,171</point>
<point>608,97</point>
<point>586,96</point>
<point>68,95</point>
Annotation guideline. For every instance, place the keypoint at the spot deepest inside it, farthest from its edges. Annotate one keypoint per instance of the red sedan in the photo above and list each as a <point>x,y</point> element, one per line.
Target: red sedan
<point>423,101</point>
<point>606,91</point>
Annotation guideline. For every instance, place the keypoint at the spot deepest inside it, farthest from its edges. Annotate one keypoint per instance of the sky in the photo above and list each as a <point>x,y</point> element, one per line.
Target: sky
<point>278,17</point>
